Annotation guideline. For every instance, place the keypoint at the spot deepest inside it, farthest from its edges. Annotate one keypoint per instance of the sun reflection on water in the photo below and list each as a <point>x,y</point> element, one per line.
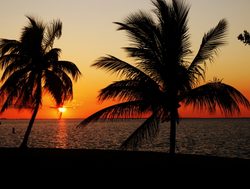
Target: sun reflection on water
<point>62,134</point>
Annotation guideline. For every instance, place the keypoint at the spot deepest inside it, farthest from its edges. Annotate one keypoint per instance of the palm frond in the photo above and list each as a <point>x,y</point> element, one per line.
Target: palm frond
<point>52,57</point>
<point>67,87</point>
<point>209,47</point>
<point>130,90</point>
<point>245,37</point>
<point>162,10</point>
<point>8,93</point>
<point>181,9</point>
<point>122,110</point>
<point>8,46</point>
<point>8,101</point>
<point>58,85</point>
<point>53,31</point>
<point>9,52</point>
<point>144,36</point>
<point>12,63</point>
<point>121,68</point>
<point>139,27</point>
<point>69,68</point>
<point>17,97</point>
<point>32,37</point>
<point>216,94</point>
<point>34,23</point>
<point>15,78</point>
<point>53,54</point>
<point>14,89</point>
<point>146,131</point>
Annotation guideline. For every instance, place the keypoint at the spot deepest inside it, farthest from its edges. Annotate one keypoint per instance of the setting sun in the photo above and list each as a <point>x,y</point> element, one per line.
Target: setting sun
<point>62,109</point>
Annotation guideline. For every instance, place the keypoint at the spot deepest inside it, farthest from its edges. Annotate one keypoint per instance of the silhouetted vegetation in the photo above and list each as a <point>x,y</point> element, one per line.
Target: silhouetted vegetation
<point>31,66</point>
<point>163,78</point>
<point>245,37</point>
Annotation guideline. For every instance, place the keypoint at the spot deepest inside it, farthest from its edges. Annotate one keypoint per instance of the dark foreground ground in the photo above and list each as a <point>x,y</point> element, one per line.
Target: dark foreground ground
<point>124,166</point>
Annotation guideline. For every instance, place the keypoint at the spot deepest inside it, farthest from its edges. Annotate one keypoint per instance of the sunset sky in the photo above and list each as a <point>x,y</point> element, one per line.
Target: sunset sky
<point>88,33</point>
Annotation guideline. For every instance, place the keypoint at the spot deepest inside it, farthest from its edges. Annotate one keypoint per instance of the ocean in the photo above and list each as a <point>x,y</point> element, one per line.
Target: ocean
<point>229,137</point>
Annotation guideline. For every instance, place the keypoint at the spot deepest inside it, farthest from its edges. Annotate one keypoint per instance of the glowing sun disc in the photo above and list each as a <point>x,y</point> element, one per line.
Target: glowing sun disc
<point>62,109</point>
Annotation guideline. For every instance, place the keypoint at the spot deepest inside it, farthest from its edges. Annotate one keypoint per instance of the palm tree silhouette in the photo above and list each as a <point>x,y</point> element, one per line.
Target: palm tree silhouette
<point>32,66</point>
<point>163,77</point>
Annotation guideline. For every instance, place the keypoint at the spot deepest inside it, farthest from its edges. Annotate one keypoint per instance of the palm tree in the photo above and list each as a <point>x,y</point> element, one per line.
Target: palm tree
<point>163,77</point>
<point>245,37</point>
<point>31,67</point>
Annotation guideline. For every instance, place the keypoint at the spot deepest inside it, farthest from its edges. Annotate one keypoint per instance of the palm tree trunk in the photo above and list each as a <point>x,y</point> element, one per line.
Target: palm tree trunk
<point>172,132</point>
<point>28,131</point>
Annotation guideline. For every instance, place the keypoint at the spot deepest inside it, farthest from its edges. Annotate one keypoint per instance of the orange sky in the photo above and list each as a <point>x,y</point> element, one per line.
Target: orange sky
<point>88,33</point>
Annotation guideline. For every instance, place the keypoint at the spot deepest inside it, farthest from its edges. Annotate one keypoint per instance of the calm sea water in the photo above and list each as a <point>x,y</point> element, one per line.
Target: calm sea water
<point>220,137</point>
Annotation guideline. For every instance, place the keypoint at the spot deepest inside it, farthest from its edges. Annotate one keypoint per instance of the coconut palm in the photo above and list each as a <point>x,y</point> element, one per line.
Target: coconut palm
<point>163,78</point>
<point>31,67</point>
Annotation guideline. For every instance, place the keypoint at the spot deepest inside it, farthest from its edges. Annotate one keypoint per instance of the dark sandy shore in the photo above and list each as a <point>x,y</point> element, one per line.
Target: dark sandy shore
<point>113,159</point>
<point>110,164</point>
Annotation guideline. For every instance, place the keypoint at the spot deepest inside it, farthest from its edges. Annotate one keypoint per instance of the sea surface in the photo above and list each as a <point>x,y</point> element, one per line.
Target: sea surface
<point>228,137</point>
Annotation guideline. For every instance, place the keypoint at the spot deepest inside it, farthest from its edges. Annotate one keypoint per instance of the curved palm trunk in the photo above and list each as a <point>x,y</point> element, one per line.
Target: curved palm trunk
<point>173,121</point>
<point>28,131</point>
<point>33,117</point>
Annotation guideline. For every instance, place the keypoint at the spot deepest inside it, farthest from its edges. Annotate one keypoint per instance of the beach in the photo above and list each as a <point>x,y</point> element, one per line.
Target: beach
<point>39,159</point>
<point>85,168</point>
